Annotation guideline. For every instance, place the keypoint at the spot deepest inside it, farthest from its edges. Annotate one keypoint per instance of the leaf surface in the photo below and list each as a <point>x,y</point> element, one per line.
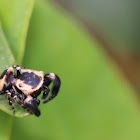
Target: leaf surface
<point>15,16</point>
<point>7,60</point>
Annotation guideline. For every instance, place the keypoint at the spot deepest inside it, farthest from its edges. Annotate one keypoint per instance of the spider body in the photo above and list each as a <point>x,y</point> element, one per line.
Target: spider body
<point>24,85</point>
<point>29,81</point>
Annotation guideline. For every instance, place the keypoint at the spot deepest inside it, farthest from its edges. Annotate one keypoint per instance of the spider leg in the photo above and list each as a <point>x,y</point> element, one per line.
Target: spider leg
<point>46,92</point>
<point>37,101</point>
<point>2,92</point>
<point>31,104</point>
<point>10,101</point>
<point>18,68</point>
<point>17,99</point>
<point>51,77</point>
<point>45,95</point>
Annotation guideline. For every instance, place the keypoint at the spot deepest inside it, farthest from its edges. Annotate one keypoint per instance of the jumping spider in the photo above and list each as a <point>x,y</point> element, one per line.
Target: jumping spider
<point>25,85</point>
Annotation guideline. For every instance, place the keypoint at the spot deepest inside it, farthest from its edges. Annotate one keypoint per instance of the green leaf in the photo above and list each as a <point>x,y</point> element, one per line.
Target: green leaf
<point>15,16</point>
<point>6,56</point>
<point>7,60</point>
<point>5,126</point>
<point>95,101</point>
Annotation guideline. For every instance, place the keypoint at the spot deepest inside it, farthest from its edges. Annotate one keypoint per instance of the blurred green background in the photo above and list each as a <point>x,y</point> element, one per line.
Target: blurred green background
<point>95,101</point>
<point>115,24</point>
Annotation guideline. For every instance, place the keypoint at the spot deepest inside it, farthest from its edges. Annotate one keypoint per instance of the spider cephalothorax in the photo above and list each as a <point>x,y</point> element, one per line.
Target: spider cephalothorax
<point>24,85</point>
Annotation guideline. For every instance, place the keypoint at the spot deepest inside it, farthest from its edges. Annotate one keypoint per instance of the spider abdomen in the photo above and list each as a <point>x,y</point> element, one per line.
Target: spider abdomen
<point>30,81</point>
